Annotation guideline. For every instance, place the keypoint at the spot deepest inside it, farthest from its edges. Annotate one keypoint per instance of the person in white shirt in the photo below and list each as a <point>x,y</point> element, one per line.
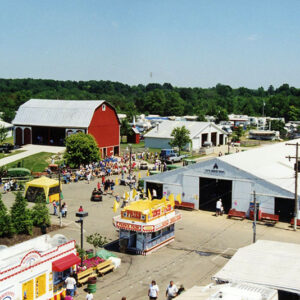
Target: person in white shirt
<point>71,284</point>
<point>89,296</point>
<point>171,291</point>
<point>153,290</point>
<point>218,207</point>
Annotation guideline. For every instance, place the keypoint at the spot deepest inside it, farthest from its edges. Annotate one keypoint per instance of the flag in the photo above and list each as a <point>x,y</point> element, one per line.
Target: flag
<point>139,176</point>
<point>148,173</point>
<point>126,195</point>
<point>61,196</point>
<point>149,195</point>
<point>117,181</point>
<point>116,206</point>
<point>134,193</point>
<point>171,199</point>
<point>178,198</point>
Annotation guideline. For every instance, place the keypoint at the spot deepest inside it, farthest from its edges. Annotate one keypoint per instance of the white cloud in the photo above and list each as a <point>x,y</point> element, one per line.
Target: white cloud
<point>115,24</point>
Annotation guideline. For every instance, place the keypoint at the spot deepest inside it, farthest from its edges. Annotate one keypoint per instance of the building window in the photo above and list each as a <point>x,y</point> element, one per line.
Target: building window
<point>103,107</point>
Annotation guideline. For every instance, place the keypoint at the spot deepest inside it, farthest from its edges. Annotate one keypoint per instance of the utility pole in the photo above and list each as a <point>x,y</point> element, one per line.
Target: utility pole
<point>130,154</point>
<point>296,182</point>
<point>254,217</point>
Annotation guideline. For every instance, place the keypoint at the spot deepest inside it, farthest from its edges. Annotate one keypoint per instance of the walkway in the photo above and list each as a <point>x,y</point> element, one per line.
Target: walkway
<point>30,150</point>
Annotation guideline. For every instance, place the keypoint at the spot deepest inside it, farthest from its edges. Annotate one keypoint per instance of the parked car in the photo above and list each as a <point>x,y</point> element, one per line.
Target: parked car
<point>175,158</point>
<point>165,153</point>
<point>207,144</point>
<point>143,166</point>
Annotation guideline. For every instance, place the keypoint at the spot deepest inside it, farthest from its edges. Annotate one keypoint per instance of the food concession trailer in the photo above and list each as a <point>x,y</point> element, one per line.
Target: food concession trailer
<point>37,269</point>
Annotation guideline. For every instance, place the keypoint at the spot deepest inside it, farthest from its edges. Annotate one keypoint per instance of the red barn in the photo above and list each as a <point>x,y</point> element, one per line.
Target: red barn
<point>48,122</point>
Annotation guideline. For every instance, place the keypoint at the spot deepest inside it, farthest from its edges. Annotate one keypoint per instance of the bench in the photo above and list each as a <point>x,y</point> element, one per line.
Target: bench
<point>184,205</point>
<point>268,217</point>
<point>236,214</point>
<point>292,222</point>
<point>83,277</point>
<point>105,267</point>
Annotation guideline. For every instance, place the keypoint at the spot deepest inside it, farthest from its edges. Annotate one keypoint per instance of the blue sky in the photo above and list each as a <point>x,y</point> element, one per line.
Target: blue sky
<point>249,43</point>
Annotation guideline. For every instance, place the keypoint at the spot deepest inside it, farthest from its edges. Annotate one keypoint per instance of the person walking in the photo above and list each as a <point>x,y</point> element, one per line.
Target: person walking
<point>54,208</point>
<point>218,207</point>
<point>153,290</point>
<point>171,291</point>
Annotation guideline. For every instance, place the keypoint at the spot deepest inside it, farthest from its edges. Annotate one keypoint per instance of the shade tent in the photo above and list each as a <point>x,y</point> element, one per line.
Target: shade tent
<point>48,187</point>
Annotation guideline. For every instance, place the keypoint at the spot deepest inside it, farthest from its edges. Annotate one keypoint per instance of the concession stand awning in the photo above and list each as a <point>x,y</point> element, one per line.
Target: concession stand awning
<point>65,262</point>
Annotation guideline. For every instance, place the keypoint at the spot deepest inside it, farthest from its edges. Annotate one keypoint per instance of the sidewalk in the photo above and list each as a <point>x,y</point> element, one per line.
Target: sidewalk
<point>30,150</point>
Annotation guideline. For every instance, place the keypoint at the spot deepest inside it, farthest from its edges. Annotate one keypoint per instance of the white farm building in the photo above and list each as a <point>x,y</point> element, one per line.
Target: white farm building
<point>234,178</point>
<point>200,132</point>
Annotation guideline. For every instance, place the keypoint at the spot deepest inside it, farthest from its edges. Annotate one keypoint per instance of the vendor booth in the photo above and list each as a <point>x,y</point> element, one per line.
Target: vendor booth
<point>37,269</point>
<point>48,188</point>
<point>145,225</point>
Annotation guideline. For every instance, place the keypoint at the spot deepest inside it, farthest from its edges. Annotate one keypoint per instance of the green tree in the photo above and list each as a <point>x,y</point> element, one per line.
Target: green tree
<point>221,115</point>
<point>6,228</point>
<point>40,213</point>
<point>181,137</point>
<point>125,128</point>
<point>97,240</point>
<point>81,148</point>
<point>238,133</point>
<point>278,125</point>
<point>21,215</point>
<point>3,134</point>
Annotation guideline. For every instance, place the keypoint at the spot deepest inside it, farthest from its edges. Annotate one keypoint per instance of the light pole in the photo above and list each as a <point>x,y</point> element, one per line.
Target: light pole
<point>81,215</point>
<point>59,184</point>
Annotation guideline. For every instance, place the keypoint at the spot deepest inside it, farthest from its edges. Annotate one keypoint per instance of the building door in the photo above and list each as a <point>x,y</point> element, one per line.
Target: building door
<point>204,138</point>
<point>285,209</point>
<point>221,139</point>
<point>104,152</point>
<point>158,187</point>
<point>132,240</point>
<point>19,133</point>
<point>116,150</point>
<point>212,189</point>
<point>214,138</point>
<point>27,136</point>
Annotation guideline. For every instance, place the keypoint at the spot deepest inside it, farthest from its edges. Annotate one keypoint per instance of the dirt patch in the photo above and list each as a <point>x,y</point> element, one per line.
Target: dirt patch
<point>19,238</point>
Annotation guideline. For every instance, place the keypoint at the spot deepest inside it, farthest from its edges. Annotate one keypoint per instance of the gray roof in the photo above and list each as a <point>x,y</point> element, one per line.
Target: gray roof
<point>166,127</point>
<point>57,113</point>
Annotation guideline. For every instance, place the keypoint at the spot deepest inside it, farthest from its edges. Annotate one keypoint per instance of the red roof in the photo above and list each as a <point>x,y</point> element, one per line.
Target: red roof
<point>65,262</point>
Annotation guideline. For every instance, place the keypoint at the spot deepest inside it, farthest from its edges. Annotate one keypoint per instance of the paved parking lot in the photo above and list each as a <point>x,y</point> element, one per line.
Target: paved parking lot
<point>203,244</point>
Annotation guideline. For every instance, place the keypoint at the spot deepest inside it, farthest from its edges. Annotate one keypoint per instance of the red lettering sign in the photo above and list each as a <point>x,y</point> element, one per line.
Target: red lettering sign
<point>128,226</point>
<point>132,214</point>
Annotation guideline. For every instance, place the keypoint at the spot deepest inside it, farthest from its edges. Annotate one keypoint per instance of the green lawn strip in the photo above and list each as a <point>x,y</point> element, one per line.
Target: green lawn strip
<point>2,155</point>
<point>36,162</point>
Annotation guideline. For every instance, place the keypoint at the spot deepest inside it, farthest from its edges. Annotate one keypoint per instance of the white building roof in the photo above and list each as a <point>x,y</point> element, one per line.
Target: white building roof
<point>272,264</point>
<point>5,124</point>
<point>57,113</point>
<point>268,163</point>
<point>232,291</point>
<point>166,127</point>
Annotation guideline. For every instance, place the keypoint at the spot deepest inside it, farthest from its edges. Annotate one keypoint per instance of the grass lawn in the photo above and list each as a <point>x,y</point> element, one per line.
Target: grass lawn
<point>2,155</point>
<point>36,162</point>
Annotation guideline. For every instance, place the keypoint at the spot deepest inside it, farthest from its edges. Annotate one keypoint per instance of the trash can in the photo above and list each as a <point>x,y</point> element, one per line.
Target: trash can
<point>92,284</point>
<point>90,253</point>
<point>43,229</point>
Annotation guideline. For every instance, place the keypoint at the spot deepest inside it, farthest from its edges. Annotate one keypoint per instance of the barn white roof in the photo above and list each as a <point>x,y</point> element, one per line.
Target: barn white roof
<point>269,163</point>
<point>272,264</point>
<point>57,113</point>
<point>166,127</point>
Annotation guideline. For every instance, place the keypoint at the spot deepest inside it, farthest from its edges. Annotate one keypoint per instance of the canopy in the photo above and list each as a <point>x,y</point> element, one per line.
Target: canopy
<point>65,262</point>
<point>104,254</point>
<point>44,183</point>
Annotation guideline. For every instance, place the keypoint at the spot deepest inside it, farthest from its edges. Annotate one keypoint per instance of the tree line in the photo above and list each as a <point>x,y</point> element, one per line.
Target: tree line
<point>154,98</point>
